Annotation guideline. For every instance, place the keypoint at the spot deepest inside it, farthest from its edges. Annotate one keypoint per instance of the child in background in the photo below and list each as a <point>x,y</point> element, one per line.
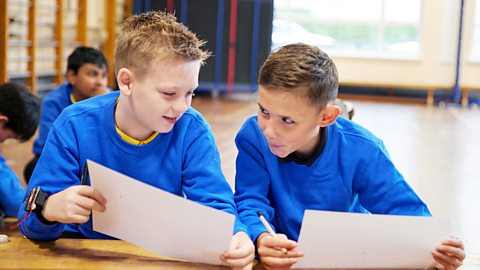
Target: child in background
<point>86,77</point>
<point>19,115</point>
<point>147,131</point>
<point>298,154</point>
<point>346,108</point>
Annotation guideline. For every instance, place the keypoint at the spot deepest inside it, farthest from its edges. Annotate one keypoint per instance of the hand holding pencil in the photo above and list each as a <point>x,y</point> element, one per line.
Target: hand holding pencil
<point>276,250</point>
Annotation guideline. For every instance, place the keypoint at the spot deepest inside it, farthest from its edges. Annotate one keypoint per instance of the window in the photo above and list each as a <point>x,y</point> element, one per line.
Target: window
<point>475,51</point>
<point>353,27</point>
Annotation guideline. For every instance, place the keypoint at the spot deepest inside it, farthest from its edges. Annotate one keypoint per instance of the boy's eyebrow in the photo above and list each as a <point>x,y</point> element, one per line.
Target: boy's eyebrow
<point>263,108</point>
<point>95,68</point>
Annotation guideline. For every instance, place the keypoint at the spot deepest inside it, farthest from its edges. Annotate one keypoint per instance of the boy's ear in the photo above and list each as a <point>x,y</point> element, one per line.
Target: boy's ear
<point>124,79</point>
<point>329,115</point>
<point>71,77</point>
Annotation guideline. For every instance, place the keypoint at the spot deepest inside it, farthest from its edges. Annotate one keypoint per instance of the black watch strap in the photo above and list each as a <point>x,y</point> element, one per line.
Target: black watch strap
<point>40,200</point>
<point>36,201</point>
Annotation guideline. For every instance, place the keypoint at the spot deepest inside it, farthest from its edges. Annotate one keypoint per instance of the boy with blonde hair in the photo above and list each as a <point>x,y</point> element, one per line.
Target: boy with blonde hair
<point>297,154</point>
<point>147,131</point>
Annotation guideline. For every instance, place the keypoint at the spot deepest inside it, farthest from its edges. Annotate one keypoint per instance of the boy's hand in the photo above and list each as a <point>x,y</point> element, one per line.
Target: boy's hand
<point>241,253</point>
<point>73,205</point>
<point>271,254</point>
<point>449,255</point>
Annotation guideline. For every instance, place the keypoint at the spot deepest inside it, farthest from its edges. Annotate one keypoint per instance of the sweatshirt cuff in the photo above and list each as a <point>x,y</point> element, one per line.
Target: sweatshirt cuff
<point>34,228</point>
<point>240,227</point>
<point>255,231</point>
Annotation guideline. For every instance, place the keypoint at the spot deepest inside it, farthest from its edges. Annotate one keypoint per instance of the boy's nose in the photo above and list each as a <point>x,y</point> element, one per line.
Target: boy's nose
<point>180,106</point>
<point>269,131</point>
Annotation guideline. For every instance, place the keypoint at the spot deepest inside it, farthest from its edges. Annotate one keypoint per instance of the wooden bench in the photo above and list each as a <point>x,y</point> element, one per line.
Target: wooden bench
<point>465,93</point>
<point>429,88</point>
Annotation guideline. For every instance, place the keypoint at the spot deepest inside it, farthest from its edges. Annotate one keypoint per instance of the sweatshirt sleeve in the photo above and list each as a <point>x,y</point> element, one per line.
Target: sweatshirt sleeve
<point>50,111</point>
<point>203,180</point>
<point>383,190</point>
<point>56,170</point>
<point>252,181</point>
<point>11,192</point>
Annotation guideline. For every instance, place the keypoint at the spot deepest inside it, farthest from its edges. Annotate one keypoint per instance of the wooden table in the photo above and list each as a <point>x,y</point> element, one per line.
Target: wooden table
<point>7,230</point>
<point>22,253</point>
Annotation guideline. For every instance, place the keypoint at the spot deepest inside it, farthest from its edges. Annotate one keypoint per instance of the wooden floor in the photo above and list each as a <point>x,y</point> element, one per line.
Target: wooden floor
<point>436,148</point>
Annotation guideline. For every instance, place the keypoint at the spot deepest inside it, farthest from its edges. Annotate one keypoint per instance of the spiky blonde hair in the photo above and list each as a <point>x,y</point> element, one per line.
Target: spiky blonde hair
<point>152,36</point>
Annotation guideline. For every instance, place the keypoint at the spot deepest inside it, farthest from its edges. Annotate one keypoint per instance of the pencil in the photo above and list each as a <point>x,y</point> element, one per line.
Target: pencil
<point>83,180</point>
<point>269,228</point>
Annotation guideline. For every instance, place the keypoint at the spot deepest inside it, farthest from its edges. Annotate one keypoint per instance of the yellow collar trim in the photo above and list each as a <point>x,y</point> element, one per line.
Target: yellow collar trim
<point>131,140</point>
<point>134,141</point>
<point>72,98</point>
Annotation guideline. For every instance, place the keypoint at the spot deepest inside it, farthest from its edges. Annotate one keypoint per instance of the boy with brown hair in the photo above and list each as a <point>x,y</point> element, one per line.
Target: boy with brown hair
<point>147,131</point>
<point>297,154</point>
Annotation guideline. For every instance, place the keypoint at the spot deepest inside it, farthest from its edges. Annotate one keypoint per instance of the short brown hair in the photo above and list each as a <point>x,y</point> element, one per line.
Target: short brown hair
<point>301,67</point>
<point>152,36</point>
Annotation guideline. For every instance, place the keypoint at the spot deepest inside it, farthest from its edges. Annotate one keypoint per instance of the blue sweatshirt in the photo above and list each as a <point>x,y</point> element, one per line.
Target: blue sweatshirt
<point>353,165</point>
<point>52,105</point>
<point>11,192</point>
<point>184,161</point>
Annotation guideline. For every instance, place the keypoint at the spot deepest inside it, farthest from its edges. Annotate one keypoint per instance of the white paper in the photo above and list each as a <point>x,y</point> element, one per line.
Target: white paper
<point>351,240</point>
<point>154,219</point>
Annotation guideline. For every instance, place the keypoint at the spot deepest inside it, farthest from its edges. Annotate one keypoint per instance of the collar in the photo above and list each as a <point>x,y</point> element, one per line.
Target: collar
<point>72,98</point>
<point>292,157</point>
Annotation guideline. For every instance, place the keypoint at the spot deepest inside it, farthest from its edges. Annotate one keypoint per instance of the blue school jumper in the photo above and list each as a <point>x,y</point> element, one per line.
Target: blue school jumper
<point>11,192</point>
<point>52,105</point>
<point>184,161</point>
<point>353,164</point>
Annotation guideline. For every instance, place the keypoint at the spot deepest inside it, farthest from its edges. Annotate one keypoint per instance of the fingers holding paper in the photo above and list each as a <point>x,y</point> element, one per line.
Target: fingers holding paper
<point>277,252</point>
<point>450,254</point>
<point>73,205</point>
<point>241,253</point>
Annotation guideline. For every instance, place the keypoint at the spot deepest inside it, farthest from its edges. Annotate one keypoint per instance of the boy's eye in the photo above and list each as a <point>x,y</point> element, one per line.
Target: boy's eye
<point>287,120</point>
<point>169,94</point>
<point>263,111</point>
<point>190,94</point>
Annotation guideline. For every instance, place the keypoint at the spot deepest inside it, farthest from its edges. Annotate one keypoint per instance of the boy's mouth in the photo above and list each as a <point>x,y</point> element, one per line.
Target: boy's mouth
<point>273,145</point>
<point>170,120</point>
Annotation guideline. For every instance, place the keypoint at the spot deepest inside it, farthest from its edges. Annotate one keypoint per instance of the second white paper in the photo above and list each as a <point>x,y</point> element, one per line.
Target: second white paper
<point>154,219</point>
<point>352,240</point>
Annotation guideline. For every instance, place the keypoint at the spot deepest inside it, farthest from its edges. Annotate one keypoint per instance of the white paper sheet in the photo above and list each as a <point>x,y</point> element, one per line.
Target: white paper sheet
<point>349,240</point>
<point>154,219</point>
